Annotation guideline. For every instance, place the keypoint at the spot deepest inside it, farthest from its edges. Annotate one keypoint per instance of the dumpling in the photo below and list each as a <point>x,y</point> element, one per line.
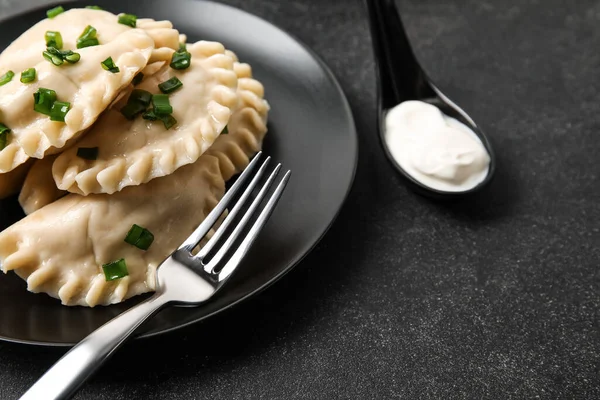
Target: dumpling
<point>26,50</point>
<point>93,227</point>
<point>10,182</point>
<point>85,85</point>
<point>39,188</point>
<point>248,124</point>
<point>133,152</point>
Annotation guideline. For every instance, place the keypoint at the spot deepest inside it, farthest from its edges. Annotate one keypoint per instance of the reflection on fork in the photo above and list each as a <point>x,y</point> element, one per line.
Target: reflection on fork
<point>183,279</point>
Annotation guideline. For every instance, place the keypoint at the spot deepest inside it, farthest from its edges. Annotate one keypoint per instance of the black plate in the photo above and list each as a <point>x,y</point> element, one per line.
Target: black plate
<point>311,131</point>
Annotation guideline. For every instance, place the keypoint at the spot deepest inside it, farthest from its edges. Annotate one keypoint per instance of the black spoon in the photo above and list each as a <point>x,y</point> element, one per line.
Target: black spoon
<point>401,78</point>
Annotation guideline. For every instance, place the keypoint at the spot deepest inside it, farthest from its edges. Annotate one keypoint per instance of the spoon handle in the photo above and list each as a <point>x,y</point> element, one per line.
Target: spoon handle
<point>400,75</point>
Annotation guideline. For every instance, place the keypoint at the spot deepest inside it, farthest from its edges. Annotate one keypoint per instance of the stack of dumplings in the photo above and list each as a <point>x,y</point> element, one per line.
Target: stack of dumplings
<point>119,138</point>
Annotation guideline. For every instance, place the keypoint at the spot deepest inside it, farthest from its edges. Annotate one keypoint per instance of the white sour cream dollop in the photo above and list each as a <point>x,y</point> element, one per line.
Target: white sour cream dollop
<point>437,150</point>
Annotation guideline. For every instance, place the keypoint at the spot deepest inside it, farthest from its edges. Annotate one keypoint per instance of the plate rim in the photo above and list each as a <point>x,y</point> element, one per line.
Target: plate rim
<point>353,136</point>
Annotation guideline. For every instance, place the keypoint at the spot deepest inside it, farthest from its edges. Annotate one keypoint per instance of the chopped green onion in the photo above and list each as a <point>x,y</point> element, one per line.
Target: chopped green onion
<point>4,131</point>
<point>161,104</point>
<point>28,75</point>
<point>137,103</point>
<point>128,19</point>
<point>7,77</point>
<point>137,78</point>
<point>168,120</point>
<point>225,130</point>
<point>87,43</point>
<point>87,153</point>
<point>139,237</point>
<point>58,57</point>
<point>43,100</point>
<point>54,12</point>
<point>171,85</point>
<point>115,270</point>
<point>150,116</point>
<point>94,7</point>
<point>181,60</point>
<point>109,65</point>
<point>72,57</point>
<point>161,110</point>
<point>140,96</point>
<point>54,39</point>
<point>59,111</point>
<point>88,33</point>
<point>132,110</point>
<point>87,38</point>
<point>54,59</point>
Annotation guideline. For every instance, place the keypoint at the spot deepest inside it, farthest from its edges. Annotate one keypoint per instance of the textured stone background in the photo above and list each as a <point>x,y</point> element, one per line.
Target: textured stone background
<point>496,297</point>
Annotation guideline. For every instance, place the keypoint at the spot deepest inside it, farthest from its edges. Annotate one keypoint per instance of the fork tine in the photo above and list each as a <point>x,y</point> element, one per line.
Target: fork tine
<point>239,254</point>
<point>214,215</point>
<point>241,224</point>
<point>234,212</point>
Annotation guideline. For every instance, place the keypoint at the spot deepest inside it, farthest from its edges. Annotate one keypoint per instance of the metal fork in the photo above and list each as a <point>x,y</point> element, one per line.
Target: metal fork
<point>183,279</point>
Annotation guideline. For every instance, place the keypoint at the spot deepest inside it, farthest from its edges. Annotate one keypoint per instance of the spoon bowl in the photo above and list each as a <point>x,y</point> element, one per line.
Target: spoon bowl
<point>401,78</point>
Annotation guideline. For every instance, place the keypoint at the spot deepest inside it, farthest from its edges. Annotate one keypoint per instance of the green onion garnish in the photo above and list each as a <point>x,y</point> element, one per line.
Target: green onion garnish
<point>137,103</point>
<point>181,60</point>
<point>128,19</point>
<point>132,110</point>
<point>88,33</point>
<point>87,43</point>
<point>72,57</point>
<point>171,85</point>
<point>4,131</point>
<point>161,104</point>
<point>168,120</point>
<point>54,59</point>
<point>139,237</point>
<point>137,78</point>
<point>28,75</point>
<point>87,38</point>
<point>7,77</point>
<point>140,96</point>
<point>58,57</point>
<point>150,116</point>
<point>225,130</point>
<point>109,65</point>
<point>59,110</point>
<point>87,153</point>
<point>94,7</point>
<point>43,100</point>
<point>115,270</point>
<point>54,39</point>
<point>54,12</point>
<point>161,110</point>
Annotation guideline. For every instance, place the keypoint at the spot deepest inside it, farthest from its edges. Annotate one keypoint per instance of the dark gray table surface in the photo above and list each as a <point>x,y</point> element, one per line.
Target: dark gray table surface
<point>495,297</point>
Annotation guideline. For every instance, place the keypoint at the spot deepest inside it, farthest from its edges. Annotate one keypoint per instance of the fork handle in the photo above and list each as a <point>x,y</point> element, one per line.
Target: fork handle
<point>74,368</point>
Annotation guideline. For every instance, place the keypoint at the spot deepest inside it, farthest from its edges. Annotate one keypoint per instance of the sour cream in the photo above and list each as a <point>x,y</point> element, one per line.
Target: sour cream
<point>435,149</point>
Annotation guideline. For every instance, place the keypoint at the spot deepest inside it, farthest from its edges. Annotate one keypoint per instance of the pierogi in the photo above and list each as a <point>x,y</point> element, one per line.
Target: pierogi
<point>134,152</point>
<point>11,182</point>
<point>27,49</point>
<point>39,188</point>
<point>93,227</point>
<point>85,85</point>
